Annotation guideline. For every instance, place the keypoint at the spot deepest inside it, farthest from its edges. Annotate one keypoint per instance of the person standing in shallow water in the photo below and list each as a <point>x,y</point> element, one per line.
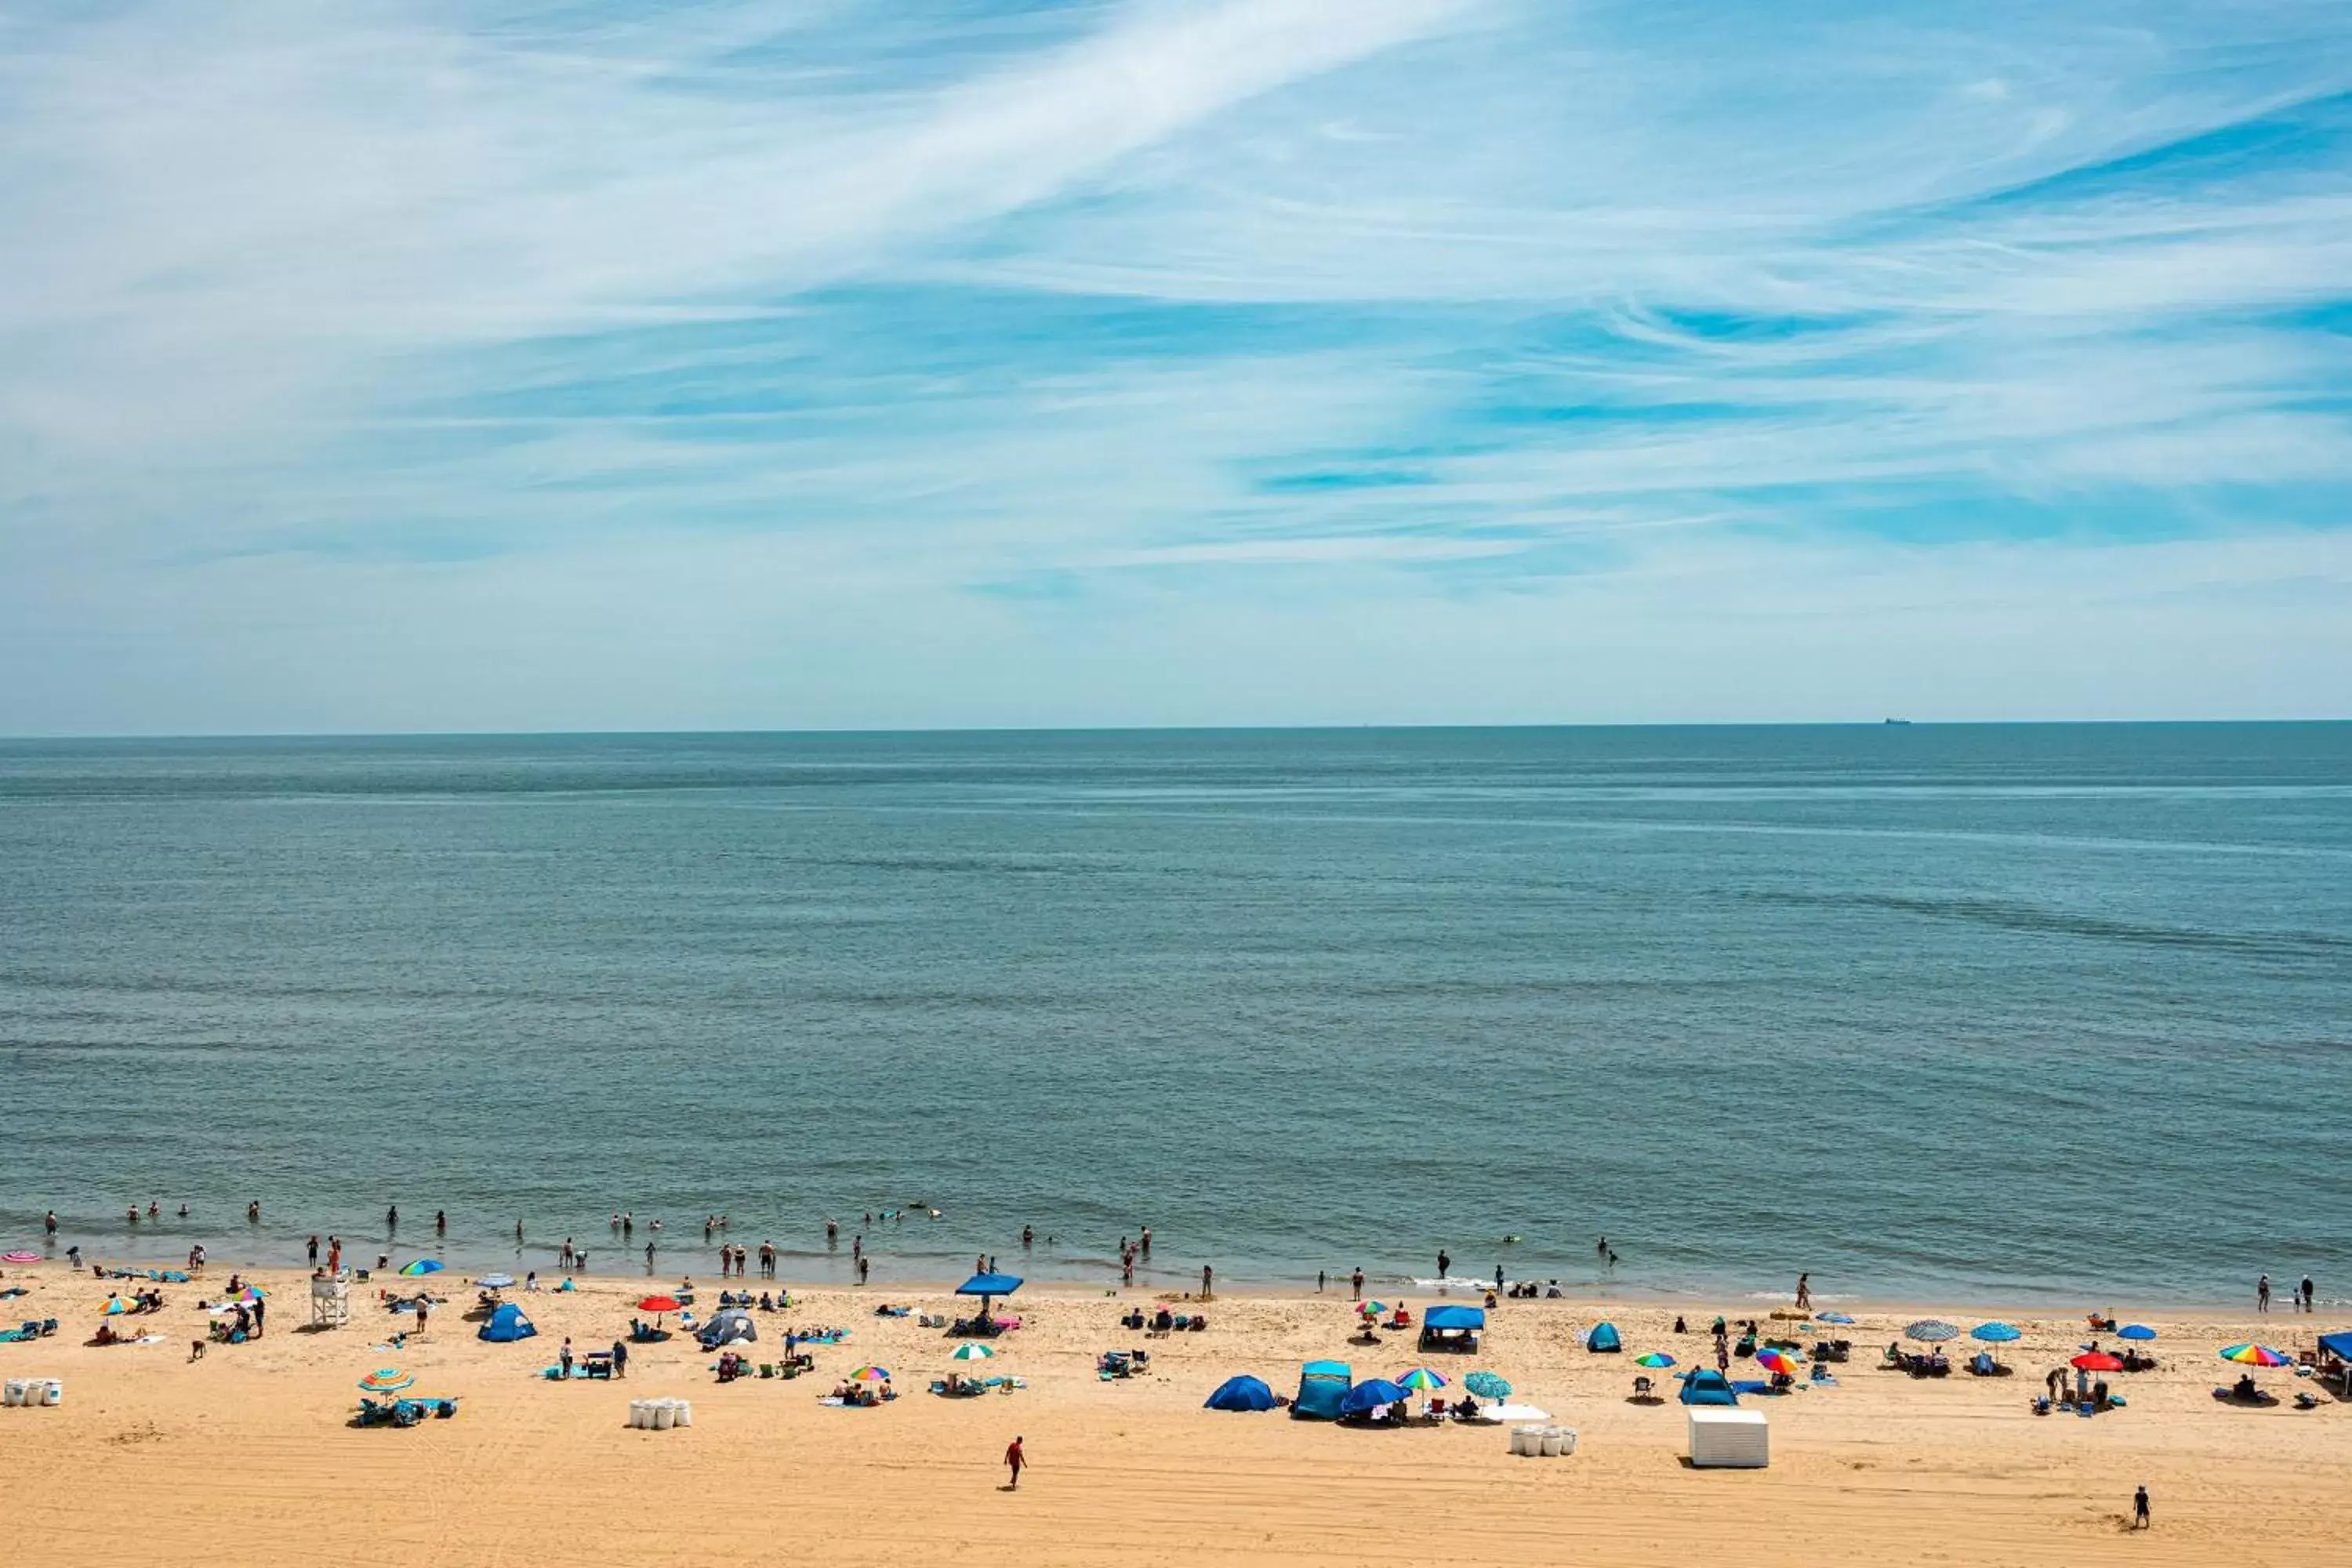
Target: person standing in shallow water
<point>1804,1292</point>
<point>1207,1275</point>
<point>2263,1294</point>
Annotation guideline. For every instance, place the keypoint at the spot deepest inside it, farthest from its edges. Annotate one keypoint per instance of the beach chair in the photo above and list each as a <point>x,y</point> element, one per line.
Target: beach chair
<point>1644,1388</point>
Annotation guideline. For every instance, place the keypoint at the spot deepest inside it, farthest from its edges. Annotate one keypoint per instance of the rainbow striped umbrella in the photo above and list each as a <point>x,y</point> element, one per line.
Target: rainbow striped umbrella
<point>116,1305</point>
<point>1654,1359</point>
<point>1777,1360</point>
<point>1371,1309</point>
<point>1420,1378</point>
<point>386,1380</point>
<point>252,1293</point>
<point>2256,1355</point>
<point>870,1374</point>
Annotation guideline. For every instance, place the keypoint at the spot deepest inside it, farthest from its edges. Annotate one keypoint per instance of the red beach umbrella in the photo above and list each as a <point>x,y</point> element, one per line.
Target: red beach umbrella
<point>661,1304</point>
<point>2099,1361</point>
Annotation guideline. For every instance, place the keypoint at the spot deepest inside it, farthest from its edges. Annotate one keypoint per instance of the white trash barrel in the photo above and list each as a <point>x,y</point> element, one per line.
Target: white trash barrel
<point>665,1415</point>
<point>53,1392</point>
<point>1567,1438</point>
<point>1549,1439</point>
<point>685,1411</point>
<point>637,1416</point>
<point>12,1392</point>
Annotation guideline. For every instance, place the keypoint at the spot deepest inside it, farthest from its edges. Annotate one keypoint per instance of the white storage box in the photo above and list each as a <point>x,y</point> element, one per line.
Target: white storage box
<point>1729,1439</point>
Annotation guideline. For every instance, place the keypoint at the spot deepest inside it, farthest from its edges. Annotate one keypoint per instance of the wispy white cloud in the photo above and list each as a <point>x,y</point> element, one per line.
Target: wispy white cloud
<point>949,334</point>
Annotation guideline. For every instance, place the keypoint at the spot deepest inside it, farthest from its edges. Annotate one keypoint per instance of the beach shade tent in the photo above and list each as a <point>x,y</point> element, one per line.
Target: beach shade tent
<point>1370,1395</point>
<point>1707,1386</point>
<point>1931,1332</point>
<point>2135,1332</point>
<point>1241,1393</point>
<point>1322,1385</point>
<point>1602,1340</point>
<point>1486,1385</point>
<point>422,1266</point>
<point>2256,1355</point>
<point>2337,1346</point>
<point>505,1325</point>
<point>987,1287</point>
<point>727,1326</point>
<point>1452,1327</point>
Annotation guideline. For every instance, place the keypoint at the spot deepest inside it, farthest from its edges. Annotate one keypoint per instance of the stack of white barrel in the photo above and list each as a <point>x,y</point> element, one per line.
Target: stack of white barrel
<point>1546,1442</point>
<point>31,1390</point>
<point>661,1415</point>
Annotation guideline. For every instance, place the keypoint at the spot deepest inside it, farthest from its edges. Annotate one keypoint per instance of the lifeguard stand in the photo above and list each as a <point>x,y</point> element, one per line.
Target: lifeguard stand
<point>330,1300</point>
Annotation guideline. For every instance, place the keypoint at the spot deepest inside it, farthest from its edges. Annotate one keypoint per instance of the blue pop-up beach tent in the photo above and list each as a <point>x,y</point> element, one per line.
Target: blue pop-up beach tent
<point>1241,1393</point>
<point>507,1325</point>
<point>1603,1338</point>
<point>1322,1385</point>
<point>2337,1346</point>
<point>1709,1386</point>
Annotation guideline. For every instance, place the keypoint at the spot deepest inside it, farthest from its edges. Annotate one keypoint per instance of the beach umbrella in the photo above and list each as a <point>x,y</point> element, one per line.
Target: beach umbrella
<point>2135,1332</point>
<point>1486,1385</point>
<point>1995,1333</point>
<point>19,1257</point>
<point>1370,1395</point>
<point>1655,1358</point>
<point>658,1305</point>
<point>2256,1355</point>
<point>1421,1380</point>
<point>496,1281</point>
<point>116,1304</point>
<point>1838,1317</point>
<point>1777,1360</point>
<point>386,1380</point>
<point>2099,1361</point>
<point>870,1374</point>
<point>972,1351</point>
<point>1371,1309</point>
<point>1931,1332</point>
<point>253,1293</point>
<point>422,1266</point>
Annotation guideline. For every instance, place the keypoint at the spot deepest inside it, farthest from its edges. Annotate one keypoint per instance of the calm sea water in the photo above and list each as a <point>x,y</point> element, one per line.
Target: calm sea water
<point>2055,1014</point>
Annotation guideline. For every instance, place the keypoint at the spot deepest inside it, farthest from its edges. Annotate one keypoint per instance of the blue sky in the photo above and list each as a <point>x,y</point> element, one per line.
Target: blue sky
<point>906,363</point>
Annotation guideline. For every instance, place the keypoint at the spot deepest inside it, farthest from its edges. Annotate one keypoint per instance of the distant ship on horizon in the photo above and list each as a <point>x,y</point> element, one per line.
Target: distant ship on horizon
<point>1896,720</point>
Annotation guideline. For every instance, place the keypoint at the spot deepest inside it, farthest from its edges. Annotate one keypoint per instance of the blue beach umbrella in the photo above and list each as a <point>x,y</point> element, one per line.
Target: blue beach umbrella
<point>2135,1332</point>
<point>1370,1395</point>
<point>422,1266</point>
<point>1486,1385</point>
<point>1931,1331</point>
<point>1995,1333</point>
<point>496,1281</point>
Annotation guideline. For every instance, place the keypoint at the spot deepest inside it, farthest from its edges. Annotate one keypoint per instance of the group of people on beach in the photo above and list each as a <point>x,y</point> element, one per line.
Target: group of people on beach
<point>2304,1298</point>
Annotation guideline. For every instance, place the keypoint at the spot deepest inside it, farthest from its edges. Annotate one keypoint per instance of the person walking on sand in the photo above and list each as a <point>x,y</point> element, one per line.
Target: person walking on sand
<point>1015,1461</point>
<point>1804,1292</point>
<point>565,1356</point>
<point>2263,1294</point>
<point>2139,1509</point>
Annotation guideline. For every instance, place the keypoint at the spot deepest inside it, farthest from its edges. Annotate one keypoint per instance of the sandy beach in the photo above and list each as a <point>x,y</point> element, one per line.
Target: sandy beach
<point>248,1453</point>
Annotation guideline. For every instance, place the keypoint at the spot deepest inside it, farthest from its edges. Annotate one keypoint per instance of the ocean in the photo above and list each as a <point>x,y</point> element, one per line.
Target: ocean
<point>2048,1015</point>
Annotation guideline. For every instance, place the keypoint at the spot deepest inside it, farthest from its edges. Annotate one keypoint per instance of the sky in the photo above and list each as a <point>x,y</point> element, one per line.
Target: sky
<point>909,363</point>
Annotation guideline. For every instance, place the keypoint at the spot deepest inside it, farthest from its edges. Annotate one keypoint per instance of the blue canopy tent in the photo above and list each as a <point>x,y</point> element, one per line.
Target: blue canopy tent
<point>985,1286</point>
<point>1707,1386</point>
<point>505,1325</point>
<point>2337,1346</point>
<point>1452,1327</point>
<point>1603,1338</point>
<point>1241,1393</point>
<point>1370,1395</point>
<point>1322,1385</point>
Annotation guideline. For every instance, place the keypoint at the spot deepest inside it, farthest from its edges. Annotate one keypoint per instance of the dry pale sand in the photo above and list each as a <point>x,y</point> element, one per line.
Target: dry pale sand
<point>246,1455</point>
